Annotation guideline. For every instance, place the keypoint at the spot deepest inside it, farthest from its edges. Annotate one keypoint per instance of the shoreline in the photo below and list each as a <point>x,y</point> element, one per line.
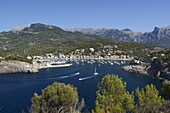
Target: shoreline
<point>55,66</point>
<point>24,67</point>
<point>12,66</point>
<point>117,59</point>
<point>139,69</point>
<point>39,66</point>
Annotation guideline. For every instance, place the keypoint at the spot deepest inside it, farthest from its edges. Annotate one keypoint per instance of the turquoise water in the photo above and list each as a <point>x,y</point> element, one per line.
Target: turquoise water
<point>17,89</point>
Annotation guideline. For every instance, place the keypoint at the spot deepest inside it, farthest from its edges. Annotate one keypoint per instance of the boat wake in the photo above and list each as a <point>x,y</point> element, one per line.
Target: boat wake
<point>75,74</point>
<point>62,77</point>
<point>66,76</point>
<point>85,78</point>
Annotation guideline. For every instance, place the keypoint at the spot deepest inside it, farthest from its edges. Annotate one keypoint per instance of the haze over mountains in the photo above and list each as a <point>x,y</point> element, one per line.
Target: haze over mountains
<point>159,36</point>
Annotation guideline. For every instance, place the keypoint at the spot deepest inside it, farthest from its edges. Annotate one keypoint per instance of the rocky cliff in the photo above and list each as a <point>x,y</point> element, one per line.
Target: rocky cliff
<point>154,68</point>
<point>159,36</point>
<point>16,66</point>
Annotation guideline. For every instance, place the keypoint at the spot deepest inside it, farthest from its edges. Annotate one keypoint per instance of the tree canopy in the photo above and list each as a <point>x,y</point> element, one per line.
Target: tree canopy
<point>148,99</point>
<point>148,94</point>
<point>56,98</point>
<point>165,91</point>
<point>112,96</point>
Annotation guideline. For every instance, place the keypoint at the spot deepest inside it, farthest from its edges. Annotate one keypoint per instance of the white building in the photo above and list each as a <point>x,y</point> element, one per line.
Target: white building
<point>91,49</point>
<point>29,57</point>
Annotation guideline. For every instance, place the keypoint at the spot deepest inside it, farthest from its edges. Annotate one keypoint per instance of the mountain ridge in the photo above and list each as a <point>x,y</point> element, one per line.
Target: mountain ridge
<point>39,39</point>
<point>158,37</point>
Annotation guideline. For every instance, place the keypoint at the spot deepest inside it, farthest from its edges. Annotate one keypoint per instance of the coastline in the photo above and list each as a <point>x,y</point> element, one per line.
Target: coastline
<point>136,69</point>
<point>16,66</point>
<point>13,66</point>
<point>145,70</point>
<point>24,67</point>
<point>117,59</point>
<point>54,66</point>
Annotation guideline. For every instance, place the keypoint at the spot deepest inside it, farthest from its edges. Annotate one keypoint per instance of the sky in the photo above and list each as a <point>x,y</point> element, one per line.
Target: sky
<point>137,15</point>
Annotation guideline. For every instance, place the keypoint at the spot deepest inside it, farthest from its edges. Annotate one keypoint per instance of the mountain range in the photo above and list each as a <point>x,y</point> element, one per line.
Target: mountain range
<point>158,37</point>
<point>40,38</point>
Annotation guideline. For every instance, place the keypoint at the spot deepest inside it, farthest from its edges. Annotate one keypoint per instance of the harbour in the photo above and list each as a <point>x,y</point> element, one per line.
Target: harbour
<point>20,87</point>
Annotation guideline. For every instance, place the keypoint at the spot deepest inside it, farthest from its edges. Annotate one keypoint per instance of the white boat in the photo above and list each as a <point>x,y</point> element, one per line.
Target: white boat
<point>82,60</point>
<point>85,78</point>
<point>116,62</point>
<point>95,73</point>
<point>77,62</point>
<point>57,62</point>
<point>80,79</point>
<point>111,63</point>
<point>88,62</point>
<point>122,62</point>
<point>61,65</point>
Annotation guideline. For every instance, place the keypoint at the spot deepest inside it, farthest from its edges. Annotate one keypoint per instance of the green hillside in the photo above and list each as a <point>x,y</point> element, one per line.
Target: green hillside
<point>39,39</point>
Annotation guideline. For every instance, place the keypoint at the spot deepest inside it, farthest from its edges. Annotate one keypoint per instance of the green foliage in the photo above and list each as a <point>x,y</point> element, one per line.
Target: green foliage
<point>165,91</point>
<point>112,96</point>
<point>36,104</point>
<point>149,94</point>
<point>164,108</point>
<point>151,108</point>
<point>57,98</point>
<point>17,57</point>
<point>3,54</point>
<point>163,57</point>
<point>39,39</point>
<point>148,99</point>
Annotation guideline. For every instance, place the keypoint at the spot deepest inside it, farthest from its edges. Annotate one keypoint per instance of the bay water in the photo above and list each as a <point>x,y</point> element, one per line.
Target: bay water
<point>16,90</point>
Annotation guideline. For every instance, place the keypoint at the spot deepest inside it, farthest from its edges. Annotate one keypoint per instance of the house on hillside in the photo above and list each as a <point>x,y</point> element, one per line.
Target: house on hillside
<point>50,56</point>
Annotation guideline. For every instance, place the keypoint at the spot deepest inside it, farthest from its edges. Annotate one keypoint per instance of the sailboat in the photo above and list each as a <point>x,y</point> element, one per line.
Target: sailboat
<point>95,73</point>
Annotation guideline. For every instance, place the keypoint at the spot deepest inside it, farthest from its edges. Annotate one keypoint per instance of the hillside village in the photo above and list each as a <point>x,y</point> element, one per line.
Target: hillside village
<point>88,53</point>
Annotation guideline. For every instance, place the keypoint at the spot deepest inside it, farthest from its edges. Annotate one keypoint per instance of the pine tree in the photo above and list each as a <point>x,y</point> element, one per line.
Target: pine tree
<point>149,99</point>
<point>112,96</point>
<point>56,98</point>
<point>165,91</point>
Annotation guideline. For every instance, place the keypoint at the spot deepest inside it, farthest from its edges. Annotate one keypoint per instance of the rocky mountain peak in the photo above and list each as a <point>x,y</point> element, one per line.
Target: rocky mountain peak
<point>20,28</point>
<point>156,29</point>
<point>159,36</point>
<point>36,27</point>
<point>126,29</point>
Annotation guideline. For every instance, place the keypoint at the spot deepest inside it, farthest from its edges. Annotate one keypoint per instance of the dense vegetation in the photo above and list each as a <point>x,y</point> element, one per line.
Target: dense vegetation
<point>165,91</point>
<point>111,97</point>
<point>162,58</point>
<point>39,39</point>
<point>159,63</point>
<point>57,98</point>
